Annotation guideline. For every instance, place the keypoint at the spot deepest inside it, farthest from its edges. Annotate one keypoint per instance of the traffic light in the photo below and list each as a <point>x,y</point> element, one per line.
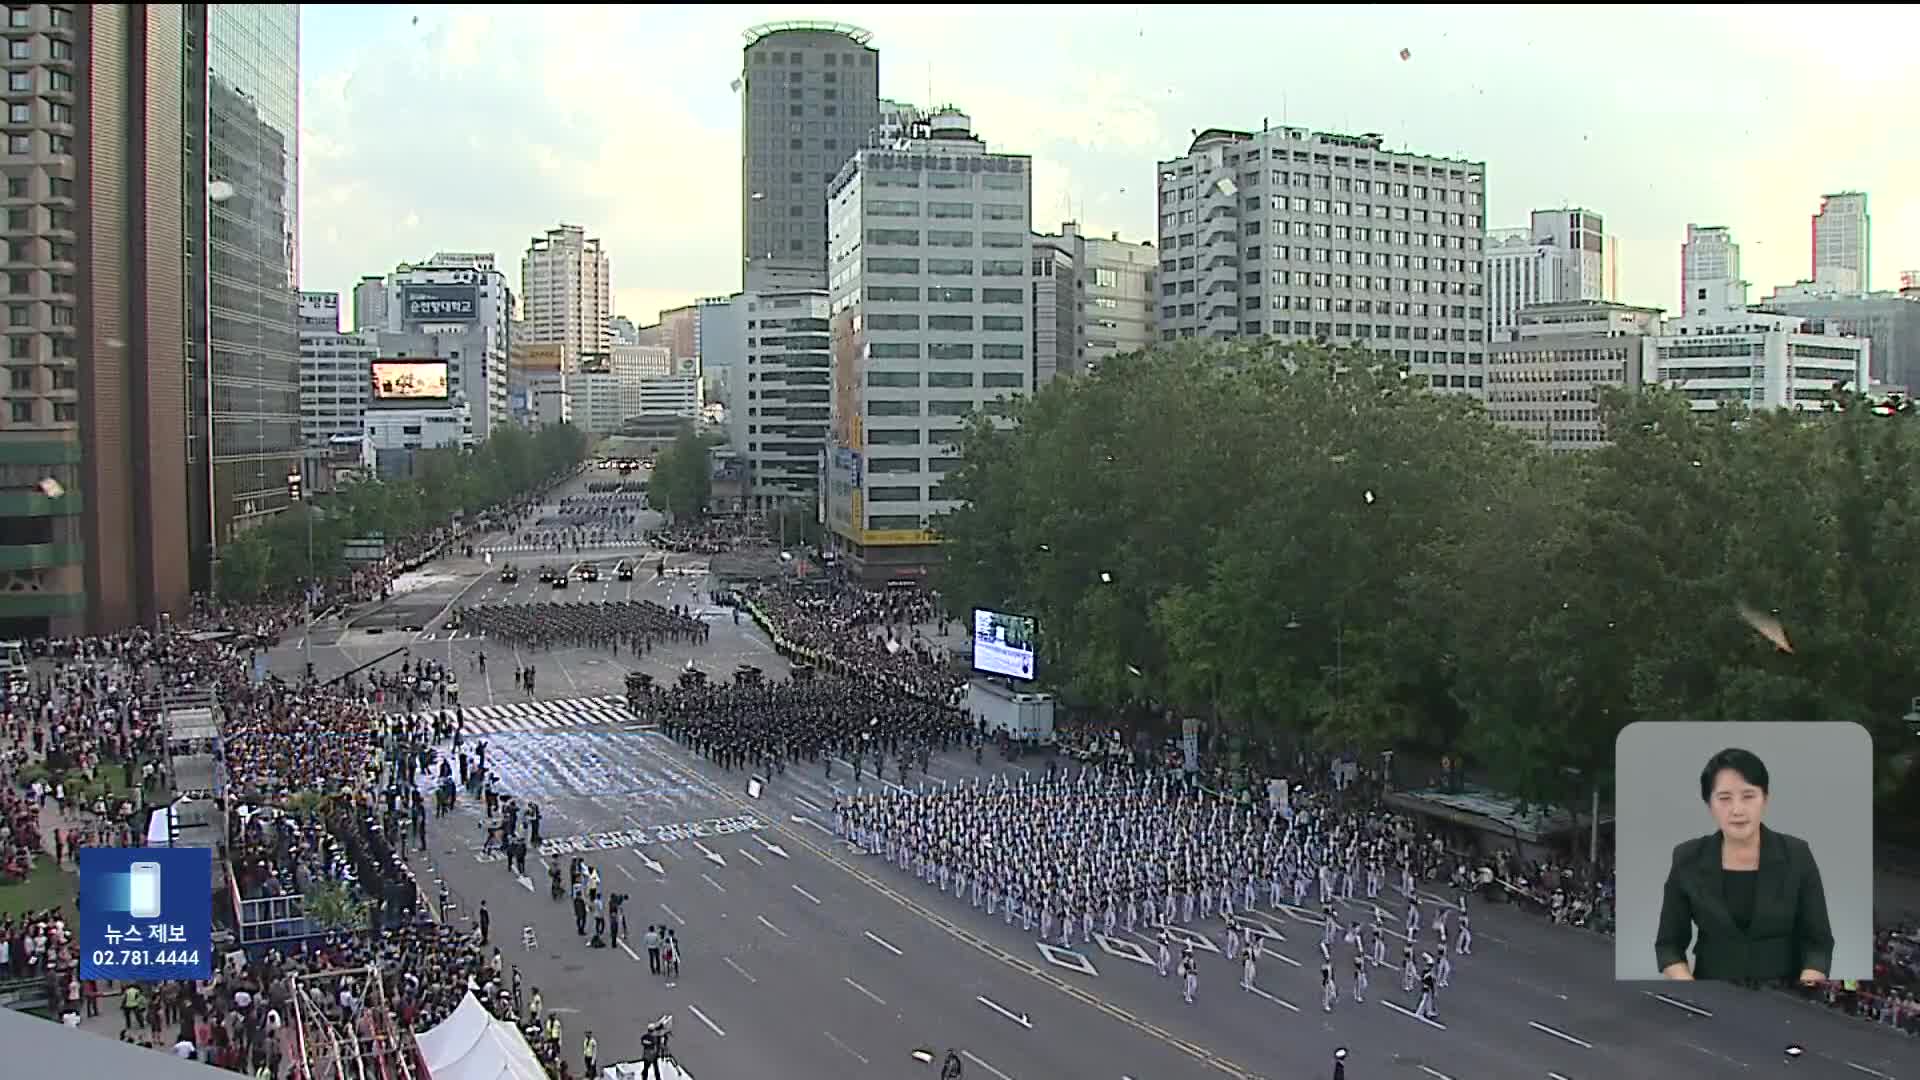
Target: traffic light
<point>293,487</point>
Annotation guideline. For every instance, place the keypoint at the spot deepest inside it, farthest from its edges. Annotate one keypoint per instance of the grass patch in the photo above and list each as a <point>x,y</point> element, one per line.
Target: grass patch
<point>48,886</point>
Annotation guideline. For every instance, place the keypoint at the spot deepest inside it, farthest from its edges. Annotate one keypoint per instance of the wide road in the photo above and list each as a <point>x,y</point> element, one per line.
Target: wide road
<point>806,959</point>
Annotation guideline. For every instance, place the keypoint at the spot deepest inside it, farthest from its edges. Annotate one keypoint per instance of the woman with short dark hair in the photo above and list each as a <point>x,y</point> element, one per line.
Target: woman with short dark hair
<point>1753,894</point>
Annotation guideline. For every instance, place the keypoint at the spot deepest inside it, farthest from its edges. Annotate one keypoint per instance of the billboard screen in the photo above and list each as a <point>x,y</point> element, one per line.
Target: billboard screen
<point>1003,644</point>
<point>410,382</point>
<point>442,303</point>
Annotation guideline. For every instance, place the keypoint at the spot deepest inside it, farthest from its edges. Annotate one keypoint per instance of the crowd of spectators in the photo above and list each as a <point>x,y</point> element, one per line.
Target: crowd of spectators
<point>874,635</point>
<point>712,536</point>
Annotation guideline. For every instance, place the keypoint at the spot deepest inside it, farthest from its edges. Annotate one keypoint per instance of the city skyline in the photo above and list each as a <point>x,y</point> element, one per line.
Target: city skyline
<point>1686,140</point>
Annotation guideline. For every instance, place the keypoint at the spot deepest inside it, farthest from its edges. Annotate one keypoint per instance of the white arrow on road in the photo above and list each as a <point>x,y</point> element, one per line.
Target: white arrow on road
<point>1018,1018</point>
<point>524,881</point>
<point>709,853</point>
<point>648,861</point>
<point>775,848</point>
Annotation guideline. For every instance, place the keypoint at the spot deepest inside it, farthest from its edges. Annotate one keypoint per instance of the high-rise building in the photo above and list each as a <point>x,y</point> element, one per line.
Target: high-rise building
<point>243,139</point>
<point>1563,256</point>
<point>336,371</point>
<point>370,304</point>
<point>1843,244</point>
<point>780,404</point>
<point>565,293</point>
<point>1710,272</point>
<point>624,331</point>
<point>1543,378</point>
<point>1301,235</point>
<point>92,468</point>
<point>1102,306</point>
<point>931,241</point>
<point>461,293</point>
<point>809,96</point>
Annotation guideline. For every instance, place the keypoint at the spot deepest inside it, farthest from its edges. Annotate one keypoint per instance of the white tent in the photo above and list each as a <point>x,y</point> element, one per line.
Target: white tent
<point>472,1045</point>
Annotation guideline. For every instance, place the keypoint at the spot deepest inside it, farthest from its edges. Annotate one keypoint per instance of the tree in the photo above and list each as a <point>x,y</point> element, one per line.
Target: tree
<point>331,906</point>
<point>682,481</point>
<point>1306,546</point>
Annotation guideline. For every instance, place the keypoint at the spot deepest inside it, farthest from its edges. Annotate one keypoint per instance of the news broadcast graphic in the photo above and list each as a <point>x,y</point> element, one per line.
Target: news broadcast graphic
<point>410,382</point>
<point>1003,644</point>
<point>1803,790</point>
<point>146,914</point>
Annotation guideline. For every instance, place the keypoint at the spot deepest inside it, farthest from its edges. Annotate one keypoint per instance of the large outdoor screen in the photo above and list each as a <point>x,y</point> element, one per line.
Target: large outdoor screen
<point>1003,644</point>
<point>409,382</point>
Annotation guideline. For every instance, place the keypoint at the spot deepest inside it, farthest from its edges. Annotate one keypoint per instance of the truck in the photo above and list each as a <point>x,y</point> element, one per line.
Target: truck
<point>1019,715</point>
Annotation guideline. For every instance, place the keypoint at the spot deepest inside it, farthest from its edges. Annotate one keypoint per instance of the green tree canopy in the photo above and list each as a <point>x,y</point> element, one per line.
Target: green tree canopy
<point>682,481</point>
<point>1303,544</point>
<point>512,464</point>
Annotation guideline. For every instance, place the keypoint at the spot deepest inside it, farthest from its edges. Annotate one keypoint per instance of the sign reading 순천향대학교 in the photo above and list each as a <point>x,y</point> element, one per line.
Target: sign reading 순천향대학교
<point>146,914</point>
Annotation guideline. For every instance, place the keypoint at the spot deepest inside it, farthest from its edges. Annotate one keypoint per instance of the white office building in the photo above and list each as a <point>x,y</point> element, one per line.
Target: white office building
<point>1843,244</point>
<point>930,242</point>
<point>1093,297</point>
<point>1562,256</point>
<point>396,429</point>
<point>669,396</point>
<point>566,293</point>
<point>1303,235</point>
<point>453,294</point>
<point>1710,271</point>
<point>550,398</point>
<point>1544,378</point>
<point>370,304</point>
<point>599,403</point>
<point>1763,360</point>
<point>336,371</point>
<point>780,403</point>
<point>642,361</point>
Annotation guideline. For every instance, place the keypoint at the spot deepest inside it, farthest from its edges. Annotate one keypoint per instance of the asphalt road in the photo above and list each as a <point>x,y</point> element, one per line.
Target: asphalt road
<point>805,959</point>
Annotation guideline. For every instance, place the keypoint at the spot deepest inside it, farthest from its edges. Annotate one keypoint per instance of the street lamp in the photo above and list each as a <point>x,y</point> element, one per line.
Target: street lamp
<point>294,493</point>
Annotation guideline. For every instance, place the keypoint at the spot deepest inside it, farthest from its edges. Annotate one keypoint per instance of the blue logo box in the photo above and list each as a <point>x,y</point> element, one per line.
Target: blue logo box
<point>146,914</point>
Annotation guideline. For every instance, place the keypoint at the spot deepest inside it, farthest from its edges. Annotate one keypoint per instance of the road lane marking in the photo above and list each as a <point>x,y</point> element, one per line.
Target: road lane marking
<point>751,857</point>
<point>709,853</point>
<point>1066,958</point>
<point>622,868</point>
<point>1409,1013</point>
<point>728,960</point>
<point>1122,948</point>
<point>836,1041</point>
<point>1558,1034</point>
<point>831,855</point>
<point>1557,1076</point>
<point>883,943</point>
<point>629,950</point>
<point>808,803</point>
<point>1280,1001</point>
<point>675,914</point>
<point>695,1010</point>
<point>809,821</point>
<point>977,1060</point>
<point>1869,1072</point>
<point>714,883</point>
<point>806,894</point>
<point>875,998</point>
<point>771,849</point>
<point>1435,1073</point>
<point>1018,1018</point>
<point>770,926</point>
<point>1684,1006</point>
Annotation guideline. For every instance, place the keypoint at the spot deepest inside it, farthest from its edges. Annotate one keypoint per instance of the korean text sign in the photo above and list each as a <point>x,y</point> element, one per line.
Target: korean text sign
<point>146,914</point>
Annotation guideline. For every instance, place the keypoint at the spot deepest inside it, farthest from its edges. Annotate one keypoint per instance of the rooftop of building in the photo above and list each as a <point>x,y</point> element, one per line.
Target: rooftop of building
<point>754,35</point>
<point>1371,140</point>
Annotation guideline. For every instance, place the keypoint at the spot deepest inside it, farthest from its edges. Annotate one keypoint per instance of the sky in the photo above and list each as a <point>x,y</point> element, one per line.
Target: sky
<point>474,128</point>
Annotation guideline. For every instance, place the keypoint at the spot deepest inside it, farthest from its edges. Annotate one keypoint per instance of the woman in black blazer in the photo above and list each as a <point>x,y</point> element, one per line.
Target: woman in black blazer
<point>1753,894</point>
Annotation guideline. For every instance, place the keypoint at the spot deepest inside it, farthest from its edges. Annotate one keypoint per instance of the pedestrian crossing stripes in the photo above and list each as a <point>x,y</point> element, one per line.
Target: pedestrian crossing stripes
<point>538,715</point>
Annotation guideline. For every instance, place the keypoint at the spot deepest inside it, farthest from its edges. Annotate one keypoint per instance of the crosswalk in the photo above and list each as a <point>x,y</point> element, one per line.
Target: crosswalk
<point>539,715</point>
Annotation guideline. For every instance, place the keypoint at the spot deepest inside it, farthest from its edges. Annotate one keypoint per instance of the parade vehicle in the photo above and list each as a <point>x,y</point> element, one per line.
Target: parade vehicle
<point>509,576</point>
<point>589,572</point>
<point>623,570</point>
<point>560,581</point>
<point>546,575</point>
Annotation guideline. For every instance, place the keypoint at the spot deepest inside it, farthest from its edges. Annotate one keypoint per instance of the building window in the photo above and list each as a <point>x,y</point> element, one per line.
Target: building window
<point>949,380</point>
<point>1007,380</point>
<point>20,378</point>
<point>19,144</point>
<point>20,82</point>
<point>60,50</point>
<point>893,494</point>
<point>66,412</point>
<point>22,411</point>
